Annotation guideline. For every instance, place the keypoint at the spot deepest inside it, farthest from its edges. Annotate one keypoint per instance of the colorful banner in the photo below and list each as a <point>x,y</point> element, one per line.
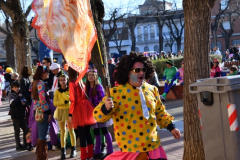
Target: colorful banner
<point>67,26</point>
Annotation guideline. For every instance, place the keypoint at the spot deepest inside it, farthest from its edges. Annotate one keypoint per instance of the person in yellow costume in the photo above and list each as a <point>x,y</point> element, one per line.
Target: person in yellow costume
<point>61,100</point>
<point>136,109</point>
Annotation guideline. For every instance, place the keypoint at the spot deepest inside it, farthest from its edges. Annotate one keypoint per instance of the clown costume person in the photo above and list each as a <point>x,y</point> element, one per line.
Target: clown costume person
<point>137,110</point>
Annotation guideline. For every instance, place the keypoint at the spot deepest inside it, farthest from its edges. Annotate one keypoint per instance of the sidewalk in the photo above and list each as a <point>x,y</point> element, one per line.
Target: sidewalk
<point>172,147</point>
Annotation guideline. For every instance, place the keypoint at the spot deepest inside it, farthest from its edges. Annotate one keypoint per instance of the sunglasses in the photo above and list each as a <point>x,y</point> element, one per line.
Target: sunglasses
<point>137,70</point>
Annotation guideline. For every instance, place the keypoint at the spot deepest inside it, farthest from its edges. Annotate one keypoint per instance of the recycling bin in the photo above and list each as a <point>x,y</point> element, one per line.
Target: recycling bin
<point>219,105</point>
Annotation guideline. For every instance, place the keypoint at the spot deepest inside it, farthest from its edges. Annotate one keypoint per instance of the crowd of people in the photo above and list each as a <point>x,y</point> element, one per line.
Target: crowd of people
<point>55,102</point>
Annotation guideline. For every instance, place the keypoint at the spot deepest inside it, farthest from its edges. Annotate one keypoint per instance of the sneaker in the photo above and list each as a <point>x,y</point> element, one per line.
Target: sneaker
<point>54,148</point>
<point>34,149</point>
<point>19,147</point>
<point>163,98</point>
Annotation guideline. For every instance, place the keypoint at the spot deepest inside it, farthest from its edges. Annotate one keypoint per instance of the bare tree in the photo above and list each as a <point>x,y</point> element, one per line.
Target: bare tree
<point>9,43</point>
<point>176,25</point>
<point>20,30</point>
<point>112,25</point>
<point>132,21</point>
<point>197,15</point>
<point>230,16</point>
<point>158,10</point>
<point>216,19</point>
<point>119,36</point>
<point>170,40</point>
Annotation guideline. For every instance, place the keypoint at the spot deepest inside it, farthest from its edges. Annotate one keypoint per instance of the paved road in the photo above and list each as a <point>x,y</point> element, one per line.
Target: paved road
<point>173,148</point>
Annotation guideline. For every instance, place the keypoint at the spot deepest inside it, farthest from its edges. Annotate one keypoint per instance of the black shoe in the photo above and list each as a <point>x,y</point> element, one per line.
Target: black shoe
<point>19,147</point>
<point>73,152</point>
<point>98,156</point>
<point>103,148</point>
<point>29,147</point>
<point>63,155</point>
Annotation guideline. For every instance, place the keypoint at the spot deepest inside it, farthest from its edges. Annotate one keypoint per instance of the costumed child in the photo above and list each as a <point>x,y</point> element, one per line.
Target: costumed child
<point>80,113</point>
<point>95,93</point>
<point>215,71</point>
<point>180,74</point>
<point>169,76</point>
<point>233,71</point>
<point>61,101</point>
<point>103,147</point>
<point>136,110</point>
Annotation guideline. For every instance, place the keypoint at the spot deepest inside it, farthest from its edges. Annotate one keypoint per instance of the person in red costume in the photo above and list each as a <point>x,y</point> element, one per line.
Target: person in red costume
<point>215,71</point>
<point>80,114</point>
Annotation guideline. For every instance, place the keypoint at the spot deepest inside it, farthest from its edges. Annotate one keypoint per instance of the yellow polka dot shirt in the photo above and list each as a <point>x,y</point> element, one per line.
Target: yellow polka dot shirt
<point>133,132</point>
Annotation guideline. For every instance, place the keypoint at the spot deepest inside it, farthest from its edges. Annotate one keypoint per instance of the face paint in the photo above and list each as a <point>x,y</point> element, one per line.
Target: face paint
<point>134,77</point>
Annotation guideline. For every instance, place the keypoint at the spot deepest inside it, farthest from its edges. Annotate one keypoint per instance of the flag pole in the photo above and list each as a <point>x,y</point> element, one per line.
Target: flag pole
<point>104,70</point>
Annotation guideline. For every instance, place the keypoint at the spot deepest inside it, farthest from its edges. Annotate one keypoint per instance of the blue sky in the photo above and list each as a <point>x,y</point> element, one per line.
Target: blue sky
<point>122,5</point>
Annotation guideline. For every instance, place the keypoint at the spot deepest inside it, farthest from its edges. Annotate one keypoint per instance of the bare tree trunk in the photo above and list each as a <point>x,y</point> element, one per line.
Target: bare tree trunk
<point>214,34</point>
<point>96,59</point>
<point>197,15</point>
<point>133,47</point>
<point>160,38</point>
<point>179,42</point>
<point>11,57</point>
<point>227,41</point>
<point>21,41</point>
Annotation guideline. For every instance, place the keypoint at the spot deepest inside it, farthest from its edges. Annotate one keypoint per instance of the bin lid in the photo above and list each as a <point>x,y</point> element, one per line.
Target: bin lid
<point>216,85</point>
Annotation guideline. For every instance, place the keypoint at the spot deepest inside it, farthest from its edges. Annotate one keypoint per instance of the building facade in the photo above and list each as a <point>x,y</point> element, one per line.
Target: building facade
<point>232,7</point>
<point>147,31</point>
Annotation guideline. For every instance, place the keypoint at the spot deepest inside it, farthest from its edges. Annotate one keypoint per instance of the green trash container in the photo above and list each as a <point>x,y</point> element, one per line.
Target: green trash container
<point>219,105</point>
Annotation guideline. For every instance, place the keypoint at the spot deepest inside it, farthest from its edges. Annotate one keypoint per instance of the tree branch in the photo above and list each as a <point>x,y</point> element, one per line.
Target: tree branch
<point>28,10</point>
<point>4,31</point>
<point>5,8</point>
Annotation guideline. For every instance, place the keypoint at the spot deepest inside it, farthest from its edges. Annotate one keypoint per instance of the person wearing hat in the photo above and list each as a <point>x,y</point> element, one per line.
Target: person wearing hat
<point>169,76</point>
<point>8,77</point>
<point>56,70</point>
<point>180,74</point>
<point>215,71</point>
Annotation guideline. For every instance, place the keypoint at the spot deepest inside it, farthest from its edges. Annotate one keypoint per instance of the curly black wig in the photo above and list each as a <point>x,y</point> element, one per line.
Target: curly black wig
<point>125,66</point>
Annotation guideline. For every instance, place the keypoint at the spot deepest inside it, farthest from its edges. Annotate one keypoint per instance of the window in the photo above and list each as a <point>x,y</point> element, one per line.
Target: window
<point>157,31</point>
<point>167,47</point>
<point>236,43</point>
<point>156,48</point>
<point>219,45</point>
<point>136,49</point>
<point>114,36</point>
<point>139,34</point>
<point>152,32</point>
<point>145,33</point>
<point>146,49</point>
<point>2,48</point>
<point>224,4</point>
